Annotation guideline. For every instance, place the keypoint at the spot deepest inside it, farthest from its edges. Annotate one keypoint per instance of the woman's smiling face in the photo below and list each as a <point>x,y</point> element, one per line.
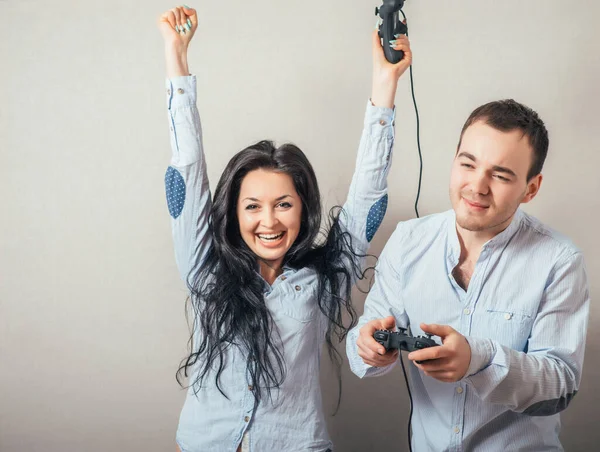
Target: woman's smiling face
<point>269,213</point>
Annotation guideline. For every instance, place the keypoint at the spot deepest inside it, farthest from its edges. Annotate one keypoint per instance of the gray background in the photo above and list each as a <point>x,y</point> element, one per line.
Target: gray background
<point>92,321</point>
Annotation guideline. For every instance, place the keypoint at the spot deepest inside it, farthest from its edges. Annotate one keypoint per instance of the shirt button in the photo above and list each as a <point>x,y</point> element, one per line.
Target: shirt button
<point>297,288</point>
<point>459,390</point>
<point>283,278</point>
<point>456,430</point>
<point>467,311</point>
<point>250,388</point>
<point>171,128</point>
<point>508,316</point>
<point>382,122</point>
<point>180,91</point>
<point>168,92</point>
<point>247,418</point>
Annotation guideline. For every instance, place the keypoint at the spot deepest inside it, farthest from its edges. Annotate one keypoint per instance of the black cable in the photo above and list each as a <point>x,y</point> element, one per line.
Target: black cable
<point>411,403</point>
<point>412,89</point>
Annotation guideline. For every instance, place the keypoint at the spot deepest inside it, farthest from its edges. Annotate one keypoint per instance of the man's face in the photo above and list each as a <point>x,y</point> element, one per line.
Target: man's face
<point>489,178</point>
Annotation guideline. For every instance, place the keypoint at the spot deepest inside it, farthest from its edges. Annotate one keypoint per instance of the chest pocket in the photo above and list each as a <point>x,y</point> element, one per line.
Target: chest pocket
<point>508,327</point>
<point>298,302</point>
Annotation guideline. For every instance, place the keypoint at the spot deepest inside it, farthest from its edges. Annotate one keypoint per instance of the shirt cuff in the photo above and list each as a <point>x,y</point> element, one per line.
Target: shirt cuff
<point>181,91</point>
<point>482,353</point>
<point>380,120</point>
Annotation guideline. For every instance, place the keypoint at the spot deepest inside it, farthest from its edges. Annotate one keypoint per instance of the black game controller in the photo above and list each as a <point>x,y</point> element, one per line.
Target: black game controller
<point>392,340</point>
<point>391,25</point>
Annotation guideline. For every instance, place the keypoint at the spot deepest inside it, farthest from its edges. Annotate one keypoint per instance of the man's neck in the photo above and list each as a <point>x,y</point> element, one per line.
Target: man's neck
<point>470,249</point>
<point>471,242</point>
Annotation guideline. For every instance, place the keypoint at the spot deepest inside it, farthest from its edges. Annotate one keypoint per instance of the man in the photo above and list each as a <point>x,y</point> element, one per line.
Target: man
<point>506,296</point>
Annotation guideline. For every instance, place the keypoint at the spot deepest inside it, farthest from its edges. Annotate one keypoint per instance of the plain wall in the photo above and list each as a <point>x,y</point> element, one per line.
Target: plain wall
<point>92,323</point>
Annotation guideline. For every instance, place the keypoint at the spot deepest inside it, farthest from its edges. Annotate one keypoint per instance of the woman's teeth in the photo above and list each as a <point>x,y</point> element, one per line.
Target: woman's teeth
<point>270,237</point>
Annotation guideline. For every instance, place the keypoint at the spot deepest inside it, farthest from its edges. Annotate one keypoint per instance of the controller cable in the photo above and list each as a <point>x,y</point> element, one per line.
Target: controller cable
<point>411,402</point>
<point>412,89</point>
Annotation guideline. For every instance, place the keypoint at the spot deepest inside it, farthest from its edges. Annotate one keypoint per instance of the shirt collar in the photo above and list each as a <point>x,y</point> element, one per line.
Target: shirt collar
<point>287,270</point>
<point>498,240</point>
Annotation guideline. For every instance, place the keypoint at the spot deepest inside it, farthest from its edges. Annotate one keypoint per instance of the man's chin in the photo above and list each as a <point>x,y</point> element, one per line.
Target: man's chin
<point>472,224</point>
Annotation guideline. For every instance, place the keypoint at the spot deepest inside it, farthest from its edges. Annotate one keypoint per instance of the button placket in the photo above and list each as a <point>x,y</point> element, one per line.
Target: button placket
<point>474,290</point>
<point>458,409</point>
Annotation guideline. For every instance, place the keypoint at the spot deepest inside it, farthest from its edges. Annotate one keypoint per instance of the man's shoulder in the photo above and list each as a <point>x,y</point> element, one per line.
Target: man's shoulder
<point>428,224</point>
<point>547,237</point>
<point>421,229</point>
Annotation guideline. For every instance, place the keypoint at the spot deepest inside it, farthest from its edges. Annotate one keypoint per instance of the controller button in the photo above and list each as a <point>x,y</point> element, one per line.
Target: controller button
<point>467,311</point>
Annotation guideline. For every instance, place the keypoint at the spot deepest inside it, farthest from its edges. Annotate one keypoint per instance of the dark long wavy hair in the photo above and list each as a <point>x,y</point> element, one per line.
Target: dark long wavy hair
<point>226,295</point>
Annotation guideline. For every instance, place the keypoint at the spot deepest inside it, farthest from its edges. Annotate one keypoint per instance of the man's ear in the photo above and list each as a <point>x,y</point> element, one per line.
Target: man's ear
<point>533,187</point>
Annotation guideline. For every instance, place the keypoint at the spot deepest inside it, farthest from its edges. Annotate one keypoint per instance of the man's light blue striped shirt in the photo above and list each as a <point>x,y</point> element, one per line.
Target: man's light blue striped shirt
<point>524,314</point>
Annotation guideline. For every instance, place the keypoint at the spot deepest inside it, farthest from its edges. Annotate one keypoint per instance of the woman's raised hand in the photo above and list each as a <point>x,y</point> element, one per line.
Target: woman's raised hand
<point>386,74</point>
<point>178,26</point>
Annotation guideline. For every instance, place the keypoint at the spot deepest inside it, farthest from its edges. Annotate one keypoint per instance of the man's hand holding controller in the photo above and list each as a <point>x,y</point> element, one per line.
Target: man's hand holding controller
<point>448,362</point>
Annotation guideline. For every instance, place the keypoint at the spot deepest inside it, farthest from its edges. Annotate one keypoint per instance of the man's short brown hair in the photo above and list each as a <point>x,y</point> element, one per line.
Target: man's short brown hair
<point>508,115</point>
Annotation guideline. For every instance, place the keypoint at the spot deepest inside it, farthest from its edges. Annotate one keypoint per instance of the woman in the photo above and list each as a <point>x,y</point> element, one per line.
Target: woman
<point>266,293</point>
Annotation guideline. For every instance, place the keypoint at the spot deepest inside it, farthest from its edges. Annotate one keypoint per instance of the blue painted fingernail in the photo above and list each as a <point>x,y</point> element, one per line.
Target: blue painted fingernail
<point>393,43</point>
<point>189,27</point>
<point>187,6</point>
<point>396,36</point>
<point>177,28</point>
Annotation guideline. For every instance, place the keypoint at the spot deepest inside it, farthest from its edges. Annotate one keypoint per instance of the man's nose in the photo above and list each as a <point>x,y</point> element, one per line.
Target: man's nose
<point>480,183</point>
